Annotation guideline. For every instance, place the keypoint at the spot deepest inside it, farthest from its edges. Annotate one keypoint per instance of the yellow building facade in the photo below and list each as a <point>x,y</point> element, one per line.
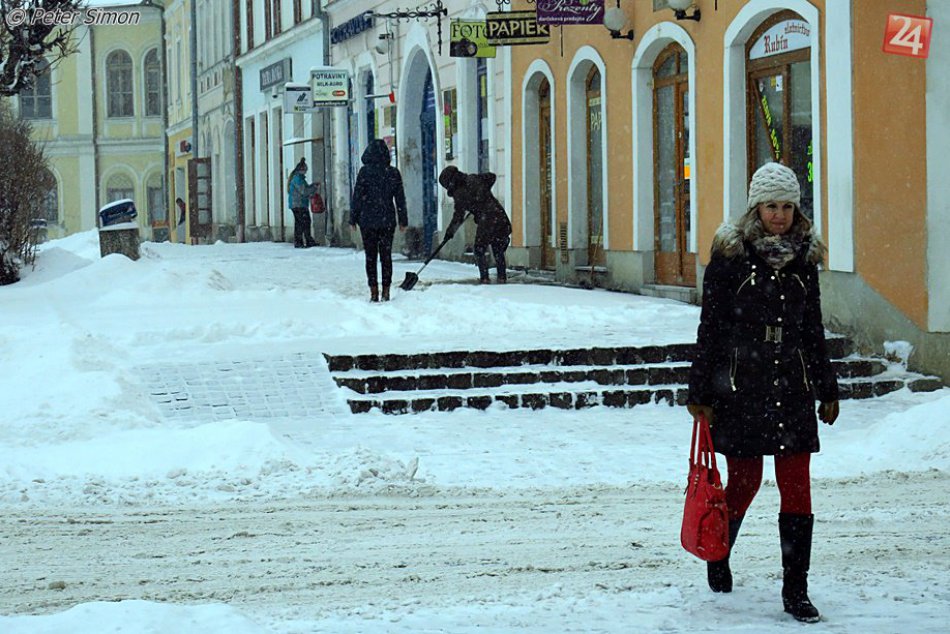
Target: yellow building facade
<point>99,115</point>
<point>629,152</point>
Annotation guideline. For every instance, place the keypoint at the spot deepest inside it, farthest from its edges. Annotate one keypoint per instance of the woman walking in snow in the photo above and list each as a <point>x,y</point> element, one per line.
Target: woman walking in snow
<point>760,364</point>
<point>378,200</point>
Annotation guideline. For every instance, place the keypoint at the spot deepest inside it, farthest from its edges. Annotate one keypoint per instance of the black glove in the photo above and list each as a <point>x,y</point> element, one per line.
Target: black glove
<point>828,412</point>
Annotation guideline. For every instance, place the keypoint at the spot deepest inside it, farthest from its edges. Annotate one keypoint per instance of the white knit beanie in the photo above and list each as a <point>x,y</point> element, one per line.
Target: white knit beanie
<point>774,181</point>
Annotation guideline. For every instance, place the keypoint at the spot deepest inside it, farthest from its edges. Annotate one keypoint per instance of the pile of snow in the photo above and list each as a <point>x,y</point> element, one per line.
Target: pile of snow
<point>78,425</point>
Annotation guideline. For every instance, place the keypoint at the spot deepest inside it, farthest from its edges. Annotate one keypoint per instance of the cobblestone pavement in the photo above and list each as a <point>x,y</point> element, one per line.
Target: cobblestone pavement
<point>294,386</point>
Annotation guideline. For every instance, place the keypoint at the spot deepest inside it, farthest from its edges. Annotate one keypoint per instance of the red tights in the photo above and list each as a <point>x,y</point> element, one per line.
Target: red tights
<point>791,474</point>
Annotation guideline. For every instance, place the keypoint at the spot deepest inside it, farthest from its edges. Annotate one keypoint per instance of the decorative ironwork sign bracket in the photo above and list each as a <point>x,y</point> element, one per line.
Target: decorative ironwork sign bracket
<point>431,10</point>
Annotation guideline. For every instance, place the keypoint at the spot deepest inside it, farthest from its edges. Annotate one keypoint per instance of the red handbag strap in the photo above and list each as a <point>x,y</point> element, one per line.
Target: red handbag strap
<point>701,447</point>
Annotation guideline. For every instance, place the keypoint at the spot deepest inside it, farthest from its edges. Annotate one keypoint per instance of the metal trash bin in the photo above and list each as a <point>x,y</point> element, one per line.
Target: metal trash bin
<point>118,212</point>
<point>119,233</point>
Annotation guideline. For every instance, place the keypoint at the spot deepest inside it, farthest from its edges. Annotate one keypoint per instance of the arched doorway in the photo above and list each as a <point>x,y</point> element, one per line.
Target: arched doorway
<point>779,105</point>
<point>673,262</point>
<point>429,161</point>
<point>595,169</point>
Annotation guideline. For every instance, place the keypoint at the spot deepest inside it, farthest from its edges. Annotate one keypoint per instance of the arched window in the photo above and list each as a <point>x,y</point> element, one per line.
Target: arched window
<point>36,102</point>
<point>157,213</point>
<point>50,206</point>
<point>153,84</point>
<point>119,84</point>
<point>120,187</point>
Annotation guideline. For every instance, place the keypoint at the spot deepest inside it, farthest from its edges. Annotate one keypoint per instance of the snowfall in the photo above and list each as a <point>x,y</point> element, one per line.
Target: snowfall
<point>122,515</point>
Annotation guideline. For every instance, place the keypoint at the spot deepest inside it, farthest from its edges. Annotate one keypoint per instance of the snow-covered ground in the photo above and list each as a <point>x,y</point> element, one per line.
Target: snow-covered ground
<point>306,518</point>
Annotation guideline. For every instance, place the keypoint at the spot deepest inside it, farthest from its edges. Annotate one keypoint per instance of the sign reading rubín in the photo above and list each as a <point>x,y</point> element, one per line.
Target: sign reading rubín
<point>570,11</point>
<point>507,28</point>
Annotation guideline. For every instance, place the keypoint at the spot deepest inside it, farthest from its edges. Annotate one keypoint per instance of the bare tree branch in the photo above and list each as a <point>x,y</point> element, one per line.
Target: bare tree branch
<point>30,34</point>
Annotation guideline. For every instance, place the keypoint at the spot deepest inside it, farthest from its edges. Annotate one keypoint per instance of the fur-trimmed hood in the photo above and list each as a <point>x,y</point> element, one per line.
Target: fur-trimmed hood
<point>730,239</point>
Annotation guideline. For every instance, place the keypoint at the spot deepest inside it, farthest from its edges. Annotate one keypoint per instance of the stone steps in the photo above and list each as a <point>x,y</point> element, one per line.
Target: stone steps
<point>565,379</point>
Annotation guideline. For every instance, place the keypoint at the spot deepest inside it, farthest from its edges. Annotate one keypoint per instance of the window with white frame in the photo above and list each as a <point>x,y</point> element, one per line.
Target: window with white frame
<point>153,84</point>
<point>50,205</point>
<point>119,84</point>
<point>36,102</point>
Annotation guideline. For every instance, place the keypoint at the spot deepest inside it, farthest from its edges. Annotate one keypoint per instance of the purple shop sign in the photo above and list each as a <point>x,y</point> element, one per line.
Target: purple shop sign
<point>570,11</point>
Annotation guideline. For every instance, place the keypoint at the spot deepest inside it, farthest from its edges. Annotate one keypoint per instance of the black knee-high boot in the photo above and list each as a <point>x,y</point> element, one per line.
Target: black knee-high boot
<point>795,532</point>
<point>718,573</point>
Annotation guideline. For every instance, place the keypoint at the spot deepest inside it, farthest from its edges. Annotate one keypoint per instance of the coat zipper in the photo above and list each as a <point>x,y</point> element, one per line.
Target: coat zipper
<point>750,278</point>
<point>734,368</point>
<point>804,371</point>
<point>795,275</point>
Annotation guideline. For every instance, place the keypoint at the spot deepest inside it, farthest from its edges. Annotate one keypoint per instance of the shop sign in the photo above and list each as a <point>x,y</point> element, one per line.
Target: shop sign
<point>330,86</point>
<point>469,38</point>
<point>298,99</point>
<point>570,11</point>
<point>908,35</point>
<point>277,73</point>
<point>351,28</point>
<point>784,37</point>
<point>508,28</point>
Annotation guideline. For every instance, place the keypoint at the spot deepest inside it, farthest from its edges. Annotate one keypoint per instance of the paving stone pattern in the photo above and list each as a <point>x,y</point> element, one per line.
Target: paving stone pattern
<point>297,386</point>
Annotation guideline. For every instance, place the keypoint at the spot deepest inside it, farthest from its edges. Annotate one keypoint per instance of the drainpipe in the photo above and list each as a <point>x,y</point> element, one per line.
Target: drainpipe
<point>95,124</point>
<point>164,89</point>
<point>320,13</point>
<point>194,80</point>
<point>238,96</point>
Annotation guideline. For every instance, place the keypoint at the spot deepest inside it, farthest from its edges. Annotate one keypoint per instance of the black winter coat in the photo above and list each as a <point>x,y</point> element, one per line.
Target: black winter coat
<point>472,194</point>
<point>762,391</point>
<point>378,196</point>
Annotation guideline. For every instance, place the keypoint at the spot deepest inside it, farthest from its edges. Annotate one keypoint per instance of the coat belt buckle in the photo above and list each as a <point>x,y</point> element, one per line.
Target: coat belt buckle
<point>773,333</point>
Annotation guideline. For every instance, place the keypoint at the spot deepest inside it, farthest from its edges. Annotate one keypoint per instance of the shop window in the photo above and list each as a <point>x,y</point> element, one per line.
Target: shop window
<point>481,115</point>
<point>595,169</point>
<point>779,99</point>
<point>370,106</point>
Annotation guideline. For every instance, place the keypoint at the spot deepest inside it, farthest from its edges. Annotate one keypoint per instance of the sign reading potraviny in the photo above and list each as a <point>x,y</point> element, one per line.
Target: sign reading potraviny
<point>298,98</point>
<point>469,38</point>
<point>508,28</point>
<point>570,11</point>
<point>330,86</point>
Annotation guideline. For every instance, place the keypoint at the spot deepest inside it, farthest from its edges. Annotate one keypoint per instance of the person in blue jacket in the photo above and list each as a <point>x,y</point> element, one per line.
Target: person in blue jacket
<point>298,199</point>
<point>379,200</point>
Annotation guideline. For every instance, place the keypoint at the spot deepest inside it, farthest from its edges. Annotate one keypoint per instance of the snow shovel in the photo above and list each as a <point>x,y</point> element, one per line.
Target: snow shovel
<point>412,278</point>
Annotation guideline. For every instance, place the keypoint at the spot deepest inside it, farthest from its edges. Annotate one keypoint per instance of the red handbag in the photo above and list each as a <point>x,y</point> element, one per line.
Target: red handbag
<point>705,531</point>
<point>316,204</point>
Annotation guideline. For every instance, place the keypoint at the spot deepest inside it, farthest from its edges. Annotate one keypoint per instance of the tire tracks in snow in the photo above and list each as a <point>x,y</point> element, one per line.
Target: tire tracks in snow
<point>350,555</point>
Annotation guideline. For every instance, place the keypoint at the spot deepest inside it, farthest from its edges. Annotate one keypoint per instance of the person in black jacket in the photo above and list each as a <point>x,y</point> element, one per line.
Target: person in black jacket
<point>378,198</point>
<point>760,364</point>
<point>472,195</point>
